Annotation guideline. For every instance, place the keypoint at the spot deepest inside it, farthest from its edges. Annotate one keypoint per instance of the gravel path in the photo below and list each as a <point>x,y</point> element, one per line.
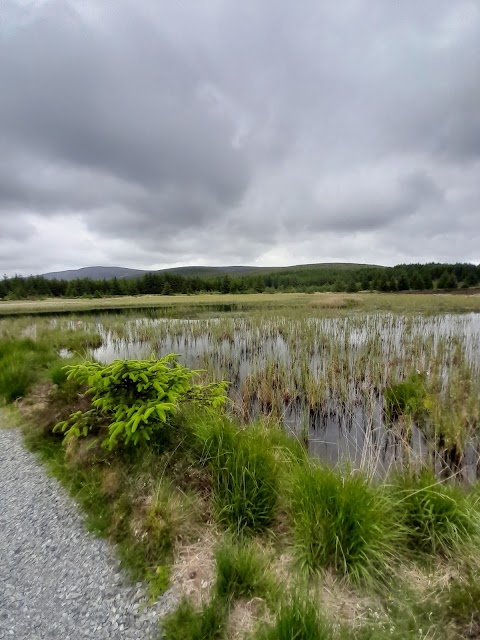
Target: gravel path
<point>56,580</point>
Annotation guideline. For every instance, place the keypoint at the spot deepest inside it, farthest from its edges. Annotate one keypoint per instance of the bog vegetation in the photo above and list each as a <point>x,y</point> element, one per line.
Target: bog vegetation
<point>231,493</point>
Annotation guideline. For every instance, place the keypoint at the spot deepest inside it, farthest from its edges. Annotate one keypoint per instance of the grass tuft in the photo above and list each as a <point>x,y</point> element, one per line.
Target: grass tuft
<point>242,572</point>
<point>344,523</point>
<point>298,619</point>
<point>21,364</point>
<point>439,518</point>
<point>245,487</point>
<point>186,623</point>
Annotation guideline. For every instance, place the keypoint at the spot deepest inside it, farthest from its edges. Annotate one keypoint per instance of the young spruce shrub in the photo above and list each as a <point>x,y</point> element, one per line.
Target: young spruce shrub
<point>343,522</point>
<point>136,399</point>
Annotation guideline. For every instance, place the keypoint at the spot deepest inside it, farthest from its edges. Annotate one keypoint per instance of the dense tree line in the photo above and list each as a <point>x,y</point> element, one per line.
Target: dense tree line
<point>403,277</point>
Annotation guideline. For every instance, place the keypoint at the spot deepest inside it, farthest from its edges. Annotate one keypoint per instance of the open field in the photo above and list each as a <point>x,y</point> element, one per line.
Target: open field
<point>407,303</point>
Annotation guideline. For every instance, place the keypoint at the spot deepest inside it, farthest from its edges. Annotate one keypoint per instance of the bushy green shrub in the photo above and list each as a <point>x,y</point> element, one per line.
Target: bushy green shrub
<point>438,517</point>
<point>135,398</point>
<point>342,522</point>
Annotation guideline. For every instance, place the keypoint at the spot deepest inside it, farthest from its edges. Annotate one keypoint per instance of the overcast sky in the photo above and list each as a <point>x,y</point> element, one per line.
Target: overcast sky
<point>159,133</point>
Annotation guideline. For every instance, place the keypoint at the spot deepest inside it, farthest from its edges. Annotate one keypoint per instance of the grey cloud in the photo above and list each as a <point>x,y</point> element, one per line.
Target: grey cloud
<point>239,132</point>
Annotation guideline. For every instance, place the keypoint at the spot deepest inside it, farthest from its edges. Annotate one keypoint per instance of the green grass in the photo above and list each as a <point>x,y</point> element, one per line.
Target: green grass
<point>245,481</point>
<point>186,623</point>
<point>407,616</point>
<point>461,602</point>
<point>298,619</point>
<point>16,379</point>
<point>439,517</point>
<point>242,572</point>
<point>22,362</point>
<point>285,302</point>
<point>405,398</point>
<point>343,523</point>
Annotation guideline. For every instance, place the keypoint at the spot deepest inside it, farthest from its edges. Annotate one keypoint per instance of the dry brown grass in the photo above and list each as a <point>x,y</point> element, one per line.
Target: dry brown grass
<point>245,616</point>
<point>193,573</point>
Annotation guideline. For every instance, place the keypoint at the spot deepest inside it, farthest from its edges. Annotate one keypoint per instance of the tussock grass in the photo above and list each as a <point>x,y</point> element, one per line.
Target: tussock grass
<point>242,572</point>
<point>439,517</point>
<point>16,378</point>
<point>297,619</point>
<point>170,516</point>
<point>343,523</point>
<point>245,485</point>
<point>187,623</point>
<point>461,603</point>
<point>21,364</point>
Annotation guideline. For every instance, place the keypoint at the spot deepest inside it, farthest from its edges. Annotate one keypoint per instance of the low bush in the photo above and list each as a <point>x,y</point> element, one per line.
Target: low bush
<point>343,522</point>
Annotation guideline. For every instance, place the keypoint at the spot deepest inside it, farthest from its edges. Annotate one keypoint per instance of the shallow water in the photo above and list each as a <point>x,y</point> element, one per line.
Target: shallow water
<point>322,377</point>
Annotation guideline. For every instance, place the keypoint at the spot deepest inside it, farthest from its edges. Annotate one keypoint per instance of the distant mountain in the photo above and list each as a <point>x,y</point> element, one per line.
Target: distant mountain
<point>106,273</point>
<point>95,273</point>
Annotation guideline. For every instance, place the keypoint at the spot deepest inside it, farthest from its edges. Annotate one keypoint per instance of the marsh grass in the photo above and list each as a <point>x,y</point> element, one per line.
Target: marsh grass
<point>439,517</point>
<point>343,522</point>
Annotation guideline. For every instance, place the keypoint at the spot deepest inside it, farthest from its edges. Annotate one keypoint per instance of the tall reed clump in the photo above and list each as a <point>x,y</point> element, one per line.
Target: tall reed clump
<point>344,523</point>
<point>244,474</point>
<point>439,517</point>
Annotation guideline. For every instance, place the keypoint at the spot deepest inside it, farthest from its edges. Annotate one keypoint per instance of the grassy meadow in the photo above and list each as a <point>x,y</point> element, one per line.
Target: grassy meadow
<point>397,302</point>
<point>329,491</point>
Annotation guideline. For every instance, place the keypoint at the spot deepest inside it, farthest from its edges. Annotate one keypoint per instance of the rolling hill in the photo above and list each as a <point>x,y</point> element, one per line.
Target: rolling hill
<point>106,273</point>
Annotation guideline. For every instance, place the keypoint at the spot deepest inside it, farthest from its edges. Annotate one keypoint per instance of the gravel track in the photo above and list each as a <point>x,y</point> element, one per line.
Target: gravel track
<point>57,581</point>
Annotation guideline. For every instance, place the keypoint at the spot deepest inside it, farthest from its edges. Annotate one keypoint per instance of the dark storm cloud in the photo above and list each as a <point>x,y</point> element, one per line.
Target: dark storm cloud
<point>165,133</point>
